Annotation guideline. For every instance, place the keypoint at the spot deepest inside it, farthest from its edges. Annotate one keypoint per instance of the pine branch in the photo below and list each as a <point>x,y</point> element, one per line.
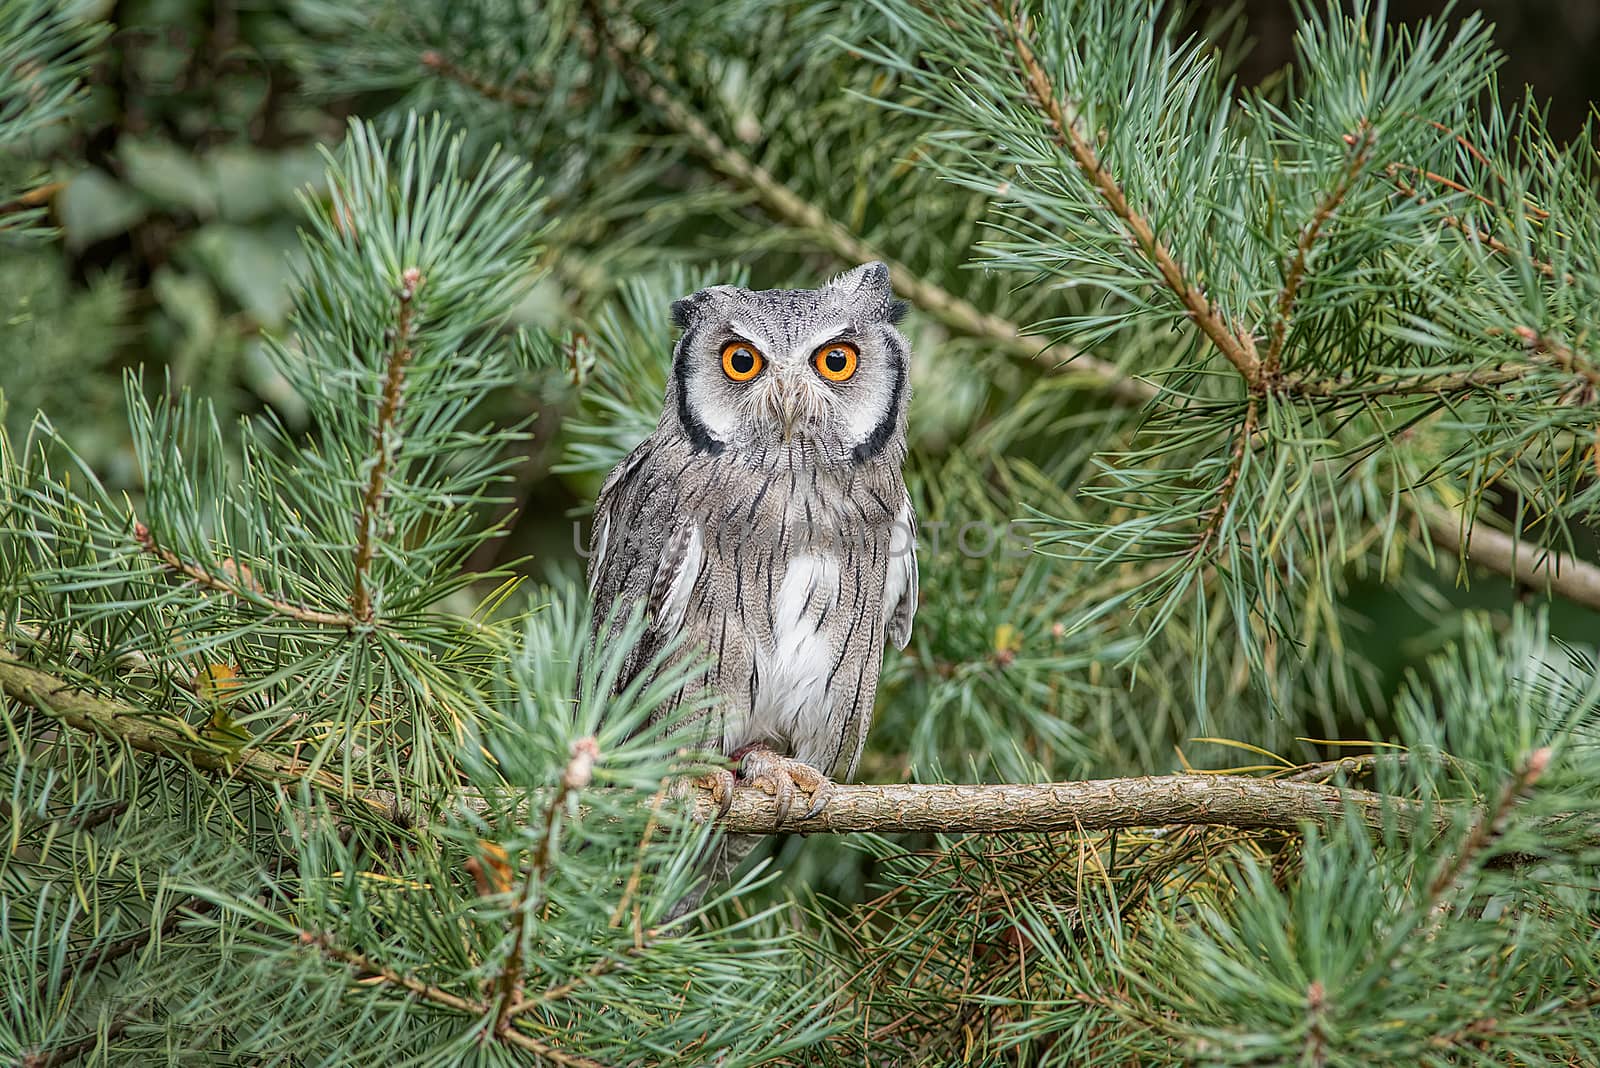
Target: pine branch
<point>577,776</point>
<point>1091,805</point>
<point>1230,483</point>
<point>72,1051</point>
<point>383,441</point>
<point>442,998</point>
<point>238,586</point>
<point>1489,826</point>
<point>168,736</point>
<point>505,94</point>
<point>1504,554</point>
<point>1454,221</point>
<point>1239,348</point>
<point>795,211</point>
<point>1361,145</point>
<point>87,963</point>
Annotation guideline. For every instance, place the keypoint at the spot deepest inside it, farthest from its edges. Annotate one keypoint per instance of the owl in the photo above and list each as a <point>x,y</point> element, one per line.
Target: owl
<point>766,530</point>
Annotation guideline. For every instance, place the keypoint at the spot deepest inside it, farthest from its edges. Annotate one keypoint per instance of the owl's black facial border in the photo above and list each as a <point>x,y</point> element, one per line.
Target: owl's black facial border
<point>879,438</point>
<point>699,435</point>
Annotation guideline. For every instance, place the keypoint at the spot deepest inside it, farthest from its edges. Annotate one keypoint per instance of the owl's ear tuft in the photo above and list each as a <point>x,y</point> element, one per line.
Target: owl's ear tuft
<point>867,288</point>
<point>859,281</point>
<point>690,308</point>
<point>683,310</point>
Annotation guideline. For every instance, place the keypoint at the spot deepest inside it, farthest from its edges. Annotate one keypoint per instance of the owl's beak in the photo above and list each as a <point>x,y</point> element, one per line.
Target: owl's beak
<point>789,410</point>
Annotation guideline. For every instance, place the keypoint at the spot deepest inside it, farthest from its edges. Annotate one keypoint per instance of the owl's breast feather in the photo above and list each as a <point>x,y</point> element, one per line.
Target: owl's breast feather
<point>791,698</point>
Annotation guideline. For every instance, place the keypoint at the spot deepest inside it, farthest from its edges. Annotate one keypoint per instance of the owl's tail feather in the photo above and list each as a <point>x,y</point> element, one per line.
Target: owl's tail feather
<point>721,859</point>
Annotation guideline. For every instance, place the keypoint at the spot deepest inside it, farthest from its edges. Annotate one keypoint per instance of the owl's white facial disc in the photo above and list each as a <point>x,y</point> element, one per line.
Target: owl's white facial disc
<point>818,369</point>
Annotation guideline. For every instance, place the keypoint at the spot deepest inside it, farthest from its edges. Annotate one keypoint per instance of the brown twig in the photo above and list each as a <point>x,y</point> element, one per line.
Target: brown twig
<point>73,1050</point>
<point>1294,273</point>
<point>88,962</point>
<point>442,998</point>
<point>1475,233</point>
<point>1238,347</point>
<point>577,776</point>
<point>234,587</point>
<point>1488,826</point>
<point>505,94</point>
<point>1230,482</point>
<point>383,443</point>
<point>1350,766</point>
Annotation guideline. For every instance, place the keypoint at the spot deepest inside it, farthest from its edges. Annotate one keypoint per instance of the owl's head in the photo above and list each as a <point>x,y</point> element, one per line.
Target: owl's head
<point>823,370</point>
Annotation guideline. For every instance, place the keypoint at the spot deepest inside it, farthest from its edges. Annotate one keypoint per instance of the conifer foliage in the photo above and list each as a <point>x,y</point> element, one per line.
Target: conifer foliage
<point>1284,398</point>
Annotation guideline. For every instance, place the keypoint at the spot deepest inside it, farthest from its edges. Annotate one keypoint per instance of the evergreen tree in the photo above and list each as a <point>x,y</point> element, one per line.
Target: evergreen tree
<point>1258,378</point>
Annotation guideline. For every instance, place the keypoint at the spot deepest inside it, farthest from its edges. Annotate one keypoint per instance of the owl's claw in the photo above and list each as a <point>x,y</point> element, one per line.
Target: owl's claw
<point>780,775</point>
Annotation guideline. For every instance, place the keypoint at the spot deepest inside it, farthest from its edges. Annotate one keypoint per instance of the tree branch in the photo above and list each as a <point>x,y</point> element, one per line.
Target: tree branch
<point>504,94</point>
<point>235,582</point>
<point>577,776</point>
<point>1092,805</point>
<point>1212,523</point>
<point>1294,273</point>
<point>1497,551</point>
<point>167,736</point>
<point>85,964</point>
<point>442,998</point>
<point>1238,347</point>
<point>795,211</point>
<point>383,443</point>
<point>1103,804</point>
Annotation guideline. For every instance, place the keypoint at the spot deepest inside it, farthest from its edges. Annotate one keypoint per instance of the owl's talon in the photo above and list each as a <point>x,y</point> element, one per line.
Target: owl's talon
<point>780,776</point>
<point>719,783</point>
<point>820,796</point>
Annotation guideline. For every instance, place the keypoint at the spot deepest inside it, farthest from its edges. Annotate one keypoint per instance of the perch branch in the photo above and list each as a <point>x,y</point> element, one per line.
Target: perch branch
<point>1092,805</point>
<point>1101,804</point>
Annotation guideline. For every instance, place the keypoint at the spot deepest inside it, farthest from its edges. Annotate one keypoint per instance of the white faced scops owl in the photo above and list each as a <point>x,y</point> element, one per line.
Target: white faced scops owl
<point>767,524</point>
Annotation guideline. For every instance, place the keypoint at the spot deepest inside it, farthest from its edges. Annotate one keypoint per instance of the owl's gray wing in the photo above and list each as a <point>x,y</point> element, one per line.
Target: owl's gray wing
<point>639,552</point>
<point>605,509</point>
<point>901,582</point>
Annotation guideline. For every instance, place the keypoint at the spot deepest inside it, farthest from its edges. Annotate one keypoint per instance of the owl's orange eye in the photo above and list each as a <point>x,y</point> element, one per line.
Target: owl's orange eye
<point>740,361</point>
<point>837,361</point>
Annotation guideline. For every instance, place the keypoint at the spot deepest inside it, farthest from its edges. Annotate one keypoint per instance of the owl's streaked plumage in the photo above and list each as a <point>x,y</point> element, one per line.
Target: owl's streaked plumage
<point>766,521</point>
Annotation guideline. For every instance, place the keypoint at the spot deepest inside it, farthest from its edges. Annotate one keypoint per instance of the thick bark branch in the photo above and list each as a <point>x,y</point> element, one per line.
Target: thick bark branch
<point>167,736</point>
<point>1102,804</point>
<point>1091,805</point>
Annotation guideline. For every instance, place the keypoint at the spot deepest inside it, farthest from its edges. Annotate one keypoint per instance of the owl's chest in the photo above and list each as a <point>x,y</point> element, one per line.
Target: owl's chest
<point>804,562</point>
